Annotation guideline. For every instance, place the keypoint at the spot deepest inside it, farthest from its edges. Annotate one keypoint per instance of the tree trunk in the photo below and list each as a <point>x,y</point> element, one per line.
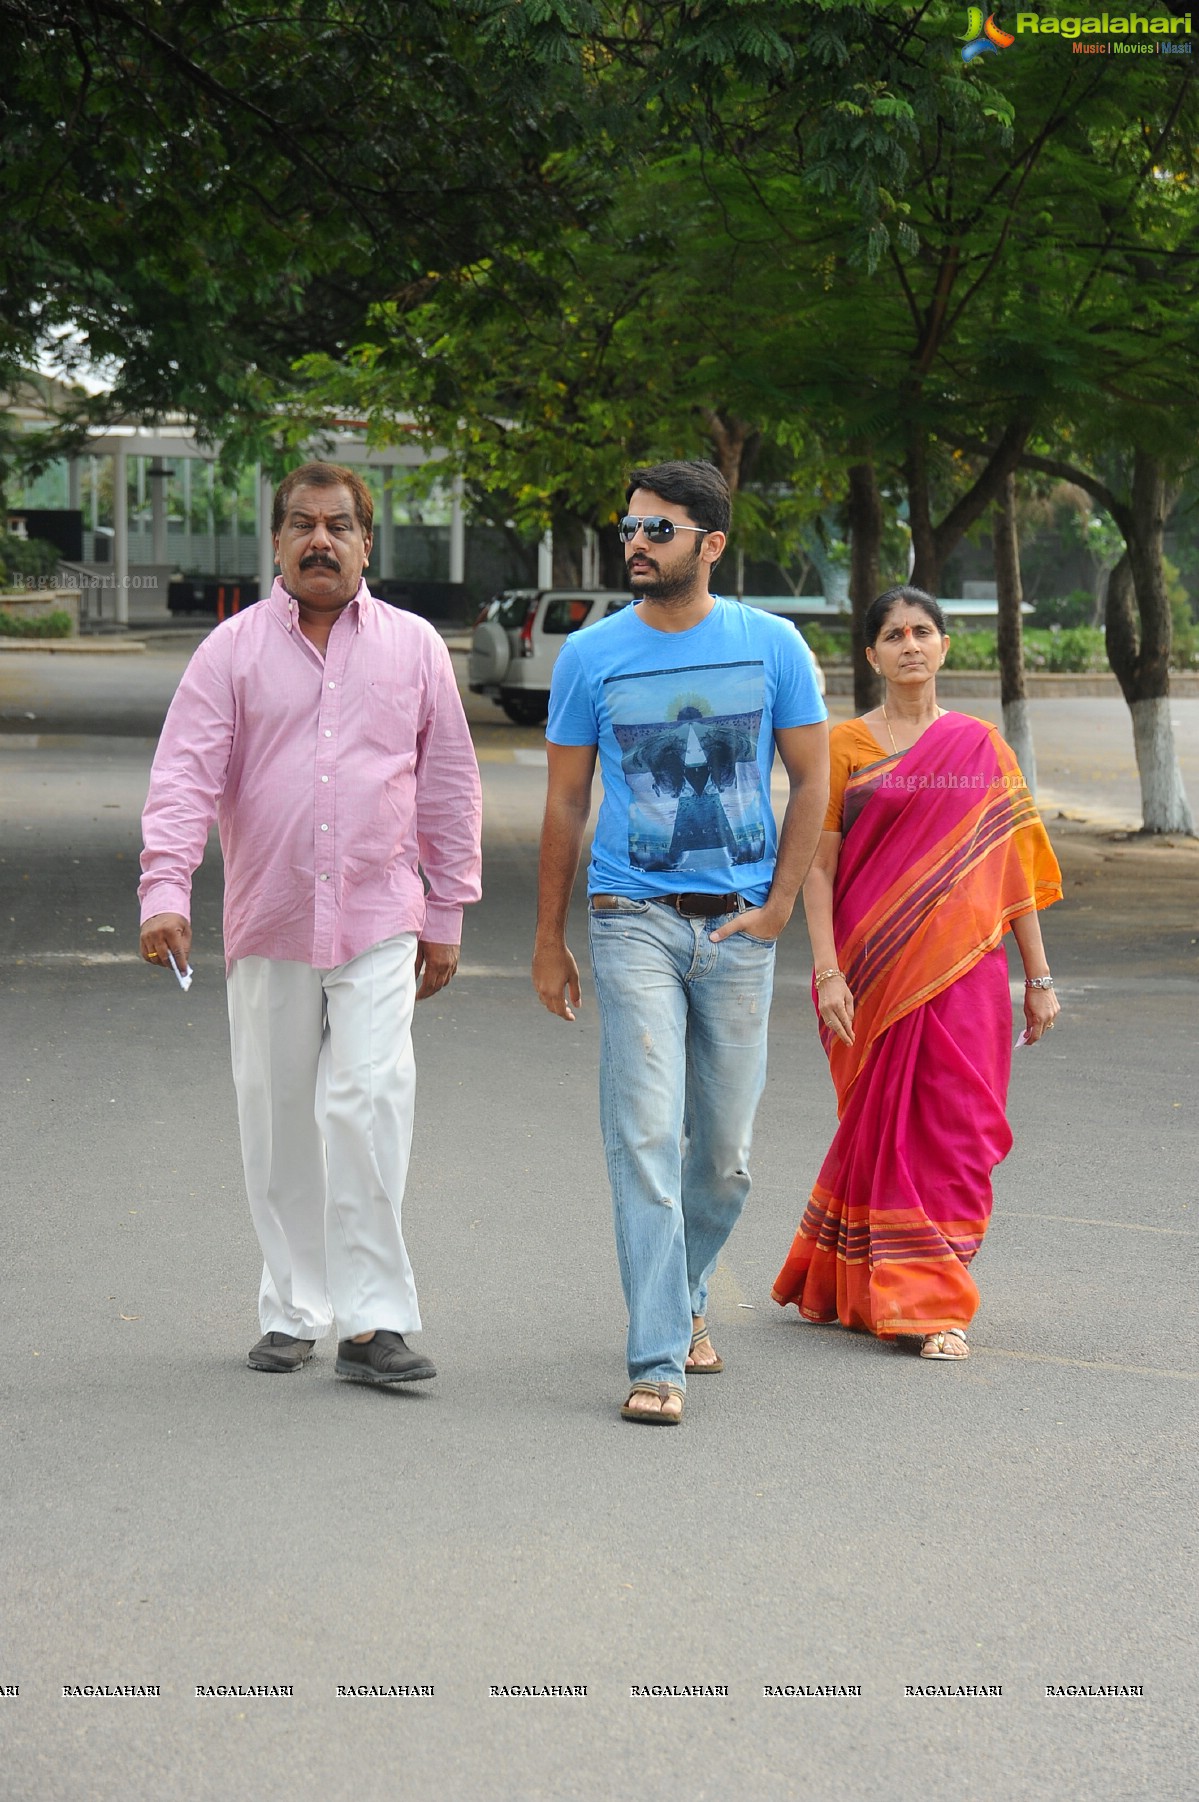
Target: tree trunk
<point>611,558</point>
<point>1151,674</point>
<point>834,581</point>
<point>1138,647</point>
<point>1138,631</point>
<point>926,565</point>
<point>1164,805</point>
<point>1005,540</point>
<point>568,551</point>
<point>736,445</point>
<point>1120,626</point>
<point>865,510</point>
<point>931,545</point>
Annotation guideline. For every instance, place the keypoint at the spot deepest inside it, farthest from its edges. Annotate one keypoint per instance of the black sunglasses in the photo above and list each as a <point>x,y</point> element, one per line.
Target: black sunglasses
<point>657,529</point>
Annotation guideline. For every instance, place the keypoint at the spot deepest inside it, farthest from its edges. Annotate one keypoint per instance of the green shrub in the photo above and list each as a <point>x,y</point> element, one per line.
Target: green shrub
<point>1184,649</point>
<point>26,557</point>
<point>972,650</point>
<point>1074,609</point>
<point>1076,652</point>
<point>827,644</point>
<point>45,625</point>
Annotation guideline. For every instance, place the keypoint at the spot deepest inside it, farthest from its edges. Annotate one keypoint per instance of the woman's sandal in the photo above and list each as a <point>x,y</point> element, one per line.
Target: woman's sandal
<point>655,1417</point>
<point>934,1345</point>
<point>701,1337</point>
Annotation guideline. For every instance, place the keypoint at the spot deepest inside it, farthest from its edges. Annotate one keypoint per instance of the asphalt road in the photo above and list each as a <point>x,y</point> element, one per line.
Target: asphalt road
<point>831,1513</point>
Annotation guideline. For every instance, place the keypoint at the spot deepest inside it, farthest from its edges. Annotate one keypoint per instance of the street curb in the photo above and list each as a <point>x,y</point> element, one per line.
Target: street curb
<point>87,647</point>
<point>1038,685</point>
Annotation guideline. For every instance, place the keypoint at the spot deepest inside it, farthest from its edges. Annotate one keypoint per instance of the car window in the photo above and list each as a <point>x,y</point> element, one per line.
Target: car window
<point>511,610</point>
<point>619,601</point>
<point>565,613</point>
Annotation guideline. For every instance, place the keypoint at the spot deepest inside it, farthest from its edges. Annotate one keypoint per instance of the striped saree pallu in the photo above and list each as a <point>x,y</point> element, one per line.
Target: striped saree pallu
<point>942,848</point>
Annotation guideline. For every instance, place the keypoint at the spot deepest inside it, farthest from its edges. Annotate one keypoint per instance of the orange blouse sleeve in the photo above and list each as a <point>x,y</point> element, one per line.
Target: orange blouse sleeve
<point>850,747</point>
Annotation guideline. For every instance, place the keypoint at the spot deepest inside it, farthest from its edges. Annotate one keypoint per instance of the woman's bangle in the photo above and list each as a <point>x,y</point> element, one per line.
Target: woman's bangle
<point>1038,982</point>
<point>826,976</point>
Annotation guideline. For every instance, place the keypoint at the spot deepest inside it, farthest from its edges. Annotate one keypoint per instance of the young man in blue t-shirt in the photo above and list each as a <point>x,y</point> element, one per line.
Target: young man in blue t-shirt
<point>685,698</point>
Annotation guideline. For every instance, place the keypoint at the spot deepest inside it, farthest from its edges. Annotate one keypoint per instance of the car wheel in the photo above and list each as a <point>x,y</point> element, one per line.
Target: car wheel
<point>525,710</point>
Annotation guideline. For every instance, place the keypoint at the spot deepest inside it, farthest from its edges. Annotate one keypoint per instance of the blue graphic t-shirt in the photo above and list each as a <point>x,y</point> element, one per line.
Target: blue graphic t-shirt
<point>685,726</point>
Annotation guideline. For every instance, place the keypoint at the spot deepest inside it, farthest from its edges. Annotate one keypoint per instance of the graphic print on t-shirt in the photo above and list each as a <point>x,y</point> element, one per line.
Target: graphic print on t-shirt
<point>689,752</point>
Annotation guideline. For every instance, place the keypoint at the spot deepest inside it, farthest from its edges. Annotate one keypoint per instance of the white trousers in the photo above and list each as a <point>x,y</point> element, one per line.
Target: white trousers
<point>326,1088</point>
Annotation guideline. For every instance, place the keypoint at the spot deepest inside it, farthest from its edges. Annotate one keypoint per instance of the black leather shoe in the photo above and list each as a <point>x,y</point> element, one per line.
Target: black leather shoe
<point>383,1359</point>
<point>279,1352</point>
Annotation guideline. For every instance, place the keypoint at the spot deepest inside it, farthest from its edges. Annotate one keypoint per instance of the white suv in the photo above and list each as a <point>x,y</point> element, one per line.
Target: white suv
<point>519,633</point>
<point>517,639</point>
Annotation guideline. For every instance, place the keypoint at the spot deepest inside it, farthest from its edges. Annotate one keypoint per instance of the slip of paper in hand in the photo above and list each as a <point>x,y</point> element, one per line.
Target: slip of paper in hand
<point>182,977</point>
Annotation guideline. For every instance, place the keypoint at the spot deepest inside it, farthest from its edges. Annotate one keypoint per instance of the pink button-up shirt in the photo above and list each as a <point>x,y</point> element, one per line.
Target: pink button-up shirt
<point>331,779</point>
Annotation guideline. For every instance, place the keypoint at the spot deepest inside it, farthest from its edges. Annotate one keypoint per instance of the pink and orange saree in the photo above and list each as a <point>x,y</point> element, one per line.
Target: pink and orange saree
<point>942,848</point>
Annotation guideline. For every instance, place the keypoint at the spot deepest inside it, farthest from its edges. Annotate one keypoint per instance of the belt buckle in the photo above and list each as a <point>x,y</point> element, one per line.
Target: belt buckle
<point>707,908</point>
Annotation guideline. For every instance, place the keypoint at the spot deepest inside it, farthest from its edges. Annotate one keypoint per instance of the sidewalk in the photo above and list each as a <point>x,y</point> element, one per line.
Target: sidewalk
<point>1129,916</point>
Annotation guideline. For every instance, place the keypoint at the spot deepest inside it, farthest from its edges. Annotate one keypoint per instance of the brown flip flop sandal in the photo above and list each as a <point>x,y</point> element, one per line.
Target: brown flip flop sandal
<point>663,1391</point>
<point>702,1337</point>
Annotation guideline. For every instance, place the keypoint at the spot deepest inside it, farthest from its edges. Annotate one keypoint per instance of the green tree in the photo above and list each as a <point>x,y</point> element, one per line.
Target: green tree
<point>196,195</point>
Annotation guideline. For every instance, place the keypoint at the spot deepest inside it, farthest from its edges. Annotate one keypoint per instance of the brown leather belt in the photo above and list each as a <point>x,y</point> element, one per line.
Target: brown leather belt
<point>693,906</point>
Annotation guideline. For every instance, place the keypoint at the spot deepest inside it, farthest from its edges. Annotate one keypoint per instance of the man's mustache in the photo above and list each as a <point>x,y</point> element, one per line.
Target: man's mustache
<point>320,560</point>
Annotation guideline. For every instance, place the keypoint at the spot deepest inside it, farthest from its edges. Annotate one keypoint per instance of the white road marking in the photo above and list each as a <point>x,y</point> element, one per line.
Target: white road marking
<point>1127,1226</point>
<point>76,957</point>
<point>1133,1370</point>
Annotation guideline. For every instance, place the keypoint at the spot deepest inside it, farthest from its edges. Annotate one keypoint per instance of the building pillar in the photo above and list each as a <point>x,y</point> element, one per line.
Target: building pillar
<point>74,485</point>
<point>457,534</point>
<point>158,473</point>
<point>214,541</point>
<point>589,561</point>
<point>186,552</point>
<point>120,531</point>
<point>266,550</point>
<point>545,560</point>
<point>385,526</point>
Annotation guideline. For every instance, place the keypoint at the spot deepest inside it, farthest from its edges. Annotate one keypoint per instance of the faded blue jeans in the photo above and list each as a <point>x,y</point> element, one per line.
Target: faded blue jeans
<point>683,1064</point>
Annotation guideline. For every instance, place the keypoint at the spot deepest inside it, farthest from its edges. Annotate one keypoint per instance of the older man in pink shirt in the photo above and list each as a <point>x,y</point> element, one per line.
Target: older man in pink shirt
<point>323,731</point>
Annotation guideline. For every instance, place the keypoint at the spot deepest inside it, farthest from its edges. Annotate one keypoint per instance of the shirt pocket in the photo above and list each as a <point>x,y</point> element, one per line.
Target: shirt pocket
<point>390,720</point>
<point>625,905</point>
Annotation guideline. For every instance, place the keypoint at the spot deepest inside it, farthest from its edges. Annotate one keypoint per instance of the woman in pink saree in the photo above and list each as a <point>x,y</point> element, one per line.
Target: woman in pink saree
<point>932,849</point>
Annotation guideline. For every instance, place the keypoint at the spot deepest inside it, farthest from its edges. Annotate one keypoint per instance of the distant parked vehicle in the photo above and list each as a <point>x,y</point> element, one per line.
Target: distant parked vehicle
<point>517,639</point>
<point>220,595</point>
<point>519,634</point>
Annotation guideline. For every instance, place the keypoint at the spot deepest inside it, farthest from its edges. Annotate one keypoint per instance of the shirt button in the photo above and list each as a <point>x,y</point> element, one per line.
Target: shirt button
<point>332,685</point>
<point>324,778</point>
<point>324,879</point>
<point>328,734</point>
<point>324,829</point>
